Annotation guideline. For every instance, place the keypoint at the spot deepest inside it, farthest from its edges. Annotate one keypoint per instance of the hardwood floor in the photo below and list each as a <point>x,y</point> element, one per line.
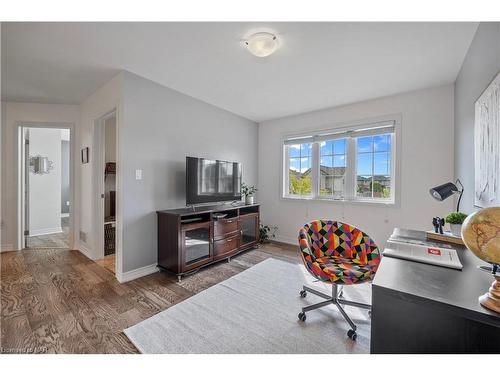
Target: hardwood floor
<point>51,241</point>
<point>59,301</point>
<point>108,262</point>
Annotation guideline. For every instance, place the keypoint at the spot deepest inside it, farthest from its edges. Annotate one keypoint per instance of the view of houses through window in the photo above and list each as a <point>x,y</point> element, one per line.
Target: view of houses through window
<point>373,172</point>
<point>300,161</point>
<point>370,167</point>
<point>332,168</point>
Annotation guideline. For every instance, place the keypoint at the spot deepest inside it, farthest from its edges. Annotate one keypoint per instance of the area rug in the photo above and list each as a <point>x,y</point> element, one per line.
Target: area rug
<point>256,311</point>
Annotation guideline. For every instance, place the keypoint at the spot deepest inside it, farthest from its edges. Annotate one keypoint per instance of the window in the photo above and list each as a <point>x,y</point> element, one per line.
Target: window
<point>299,160</point>
<point>373,166</point>
<point>353,164</point>
<point>332,168</point>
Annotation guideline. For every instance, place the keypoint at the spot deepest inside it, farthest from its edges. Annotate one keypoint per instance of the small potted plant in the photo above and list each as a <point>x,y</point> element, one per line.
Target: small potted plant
<point>248,192</point>
<point>455,219</point>
<point>267,232</point>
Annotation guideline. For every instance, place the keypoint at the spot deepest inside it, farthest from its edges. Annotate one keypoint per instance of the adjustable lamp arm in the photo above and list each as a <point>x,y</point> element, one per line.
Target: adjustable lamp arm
<point>460,193</point>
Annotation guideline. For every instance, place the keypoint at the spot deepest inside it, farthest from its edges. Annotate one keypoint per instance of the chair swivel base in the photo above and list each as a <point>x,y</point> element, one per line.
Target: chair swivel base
<point>337,300</point>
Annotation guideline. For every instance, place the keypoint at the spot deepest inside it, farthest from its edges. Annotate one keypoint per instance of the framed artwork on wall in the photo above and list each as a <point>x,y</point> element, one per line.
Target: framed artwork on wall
<point>85,155</point>
<point>487,146</point>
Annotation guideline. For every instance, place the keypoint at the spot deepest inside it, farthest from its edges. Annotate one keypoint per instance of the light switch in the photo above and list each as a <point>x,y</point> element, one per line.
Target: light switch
<point>138,174</point>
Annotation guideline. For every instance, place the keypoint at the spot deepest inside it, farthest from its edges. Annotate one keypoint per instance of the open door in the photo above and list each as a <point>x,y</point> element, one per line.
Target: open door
<point>45,188</point>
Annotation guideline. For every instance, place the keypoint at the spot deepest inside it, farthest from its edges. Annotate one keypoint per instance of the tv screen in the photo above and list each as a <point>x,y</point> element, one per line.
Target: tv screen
<point>209,181</point>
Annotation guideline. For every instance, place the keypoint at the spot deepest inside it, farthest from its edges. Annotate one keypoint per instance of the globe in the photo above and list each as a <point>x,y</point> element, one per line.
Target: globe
<point>481,234</point>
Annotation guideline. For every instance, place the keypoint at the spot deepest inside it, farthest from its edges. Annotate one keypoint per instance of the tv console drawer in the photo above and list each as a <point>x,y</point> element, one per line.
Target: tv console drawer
<point>226,246</point>
<point>223,227</point>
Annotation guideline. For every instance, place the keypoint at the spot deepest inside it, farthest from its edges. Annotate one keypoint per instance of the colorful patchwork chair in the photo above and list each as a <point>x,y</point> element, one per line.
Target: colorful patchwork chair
<point>340,254</point>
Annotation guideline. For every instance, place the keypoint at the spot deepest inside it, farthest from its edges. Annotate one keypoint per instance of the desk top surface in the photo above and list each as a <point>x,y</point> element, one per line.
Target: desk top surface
<point>456,289</point>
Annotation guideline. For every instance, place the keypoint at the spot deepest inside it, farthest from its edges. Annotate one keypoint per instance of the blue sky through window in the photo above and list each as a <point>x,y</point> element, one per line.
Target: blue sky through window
<point>373,155</point>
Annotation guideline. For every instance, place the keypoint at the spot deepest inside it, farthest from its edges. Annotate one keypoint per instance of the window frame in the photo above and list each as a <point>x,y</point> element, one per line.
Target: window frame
<point>351,131</point>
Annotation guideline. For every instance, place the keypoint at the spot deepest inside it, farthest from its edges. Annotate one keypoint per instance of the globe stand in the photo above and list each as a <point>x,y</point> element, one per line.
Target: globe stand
<point>491,299</point>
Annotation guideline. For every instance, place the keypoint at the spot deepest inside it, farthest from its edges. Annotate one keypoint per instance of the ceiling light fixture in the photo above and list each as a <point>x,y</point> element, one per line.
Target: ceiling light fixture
<point>262,44</point>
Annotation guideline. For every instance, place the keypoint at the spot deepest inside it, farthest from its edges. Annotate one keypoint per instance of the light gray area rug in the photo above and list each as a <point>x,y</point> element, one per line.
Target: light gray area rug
<point>256,311</point>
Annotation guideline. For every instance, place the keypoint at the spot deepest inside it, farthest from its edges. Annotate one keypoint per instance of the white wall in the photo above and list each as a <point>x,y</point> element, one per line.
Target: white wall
<point>12,115</point>
<point>426,161</point>
<point>160,128</point>
<point>480,66</point>
<point>110,139</point>
<point>45,189</point>
<point>65,175</point>
<point>110,156</point>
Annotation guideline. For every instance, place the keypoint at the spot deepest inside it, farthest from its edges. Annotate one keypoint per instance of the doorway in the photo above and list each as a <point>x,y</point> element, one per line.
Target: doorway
<point>106,156</point>
<point>45,188</point>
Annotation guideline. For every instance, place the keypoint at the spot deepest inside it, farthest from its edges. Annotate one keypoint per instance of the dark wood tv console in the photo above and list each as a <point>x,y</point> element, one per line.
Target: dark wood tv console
<point>191,238</point>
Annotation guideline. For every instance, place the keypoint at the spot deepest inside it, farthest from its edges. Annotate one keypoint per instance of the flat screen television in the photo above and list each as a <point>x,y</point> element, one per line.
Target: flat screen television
<point>210,181</point>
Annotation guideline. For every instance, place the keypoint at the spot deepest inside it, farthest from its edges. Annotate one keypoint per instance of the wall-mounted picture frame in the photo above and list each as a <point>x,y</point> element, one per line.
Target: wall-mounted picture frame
<point>487,146</point>
<point>85,155</point>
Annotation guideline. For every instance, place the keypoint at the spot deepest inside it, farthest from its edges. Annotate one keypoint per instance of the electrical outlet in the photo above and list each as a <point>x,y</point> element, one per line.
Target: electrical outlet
<point>138,174</point>
<point>83,236</point>
<point>67,203</point>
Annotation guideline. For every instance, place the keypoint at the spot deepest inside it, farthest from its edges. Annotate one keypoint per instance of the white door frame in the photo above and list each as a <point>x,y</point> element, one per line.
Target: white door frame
<point>20,126</point>
<point>98,165</point>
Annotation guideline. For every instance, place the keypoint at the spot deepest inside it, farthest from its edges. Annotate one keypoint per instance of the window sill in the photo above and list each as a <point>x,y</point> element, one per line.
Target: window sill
<point>378,202</point>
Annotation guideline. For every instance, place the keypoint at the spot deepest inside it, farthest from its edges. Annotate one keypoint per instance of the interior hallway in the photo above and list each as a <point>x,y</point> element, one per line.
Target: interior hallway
<point>51,241</point>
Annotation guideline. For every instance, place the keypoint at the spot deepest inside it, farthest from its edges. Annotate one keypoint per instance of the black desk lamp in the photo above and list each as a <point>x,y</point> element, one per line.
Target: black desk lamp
<point>443,191</point>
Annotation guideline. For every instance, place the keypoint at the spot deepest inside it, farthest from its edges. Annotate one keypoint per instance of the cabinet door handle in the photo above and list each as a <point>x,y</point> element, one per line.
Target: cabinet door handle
<point>229,240</point>
<point>229,221</point>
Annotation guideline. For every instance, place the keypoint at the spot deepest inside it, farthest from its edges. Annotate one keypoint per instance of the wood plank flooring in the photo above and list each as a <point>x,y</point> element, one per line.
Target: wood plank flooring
<point>108,262</point>
<point>59,301</point>
<point>52,241</point>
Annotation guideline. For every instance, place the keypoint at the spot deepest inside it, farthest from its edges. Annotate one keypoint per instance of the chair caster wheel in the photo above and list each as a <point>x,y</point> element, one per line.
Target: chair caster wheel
<point>303,293</point>
<point>341,294</point>
<point>302,316</point>
<point>369,314</point>
<point>352,334</point>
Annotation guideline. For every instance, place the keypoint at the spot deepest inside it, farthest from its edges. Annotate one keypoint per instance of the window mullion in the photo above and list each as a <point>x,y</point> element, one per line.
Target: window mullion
<point>286,172</point>
<point>315,169</point>
<point>350,169</point>
<point>373,167</point>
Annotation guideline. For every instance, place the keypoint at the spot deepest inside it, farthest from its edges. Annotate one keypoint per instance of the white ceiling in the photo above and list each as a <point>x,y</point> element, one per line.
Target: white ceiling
<point>318,65</point>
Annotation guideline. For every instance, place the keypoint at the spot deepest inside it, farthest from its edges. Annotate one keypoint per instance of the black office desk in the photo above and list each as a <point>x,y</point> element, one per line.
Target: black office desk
<point>420,308</point>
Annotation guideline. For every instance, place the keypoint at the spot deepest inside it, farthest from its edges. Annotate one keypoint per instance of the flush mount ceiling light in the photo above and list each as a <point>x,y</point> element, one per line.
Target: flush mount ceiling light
<point>262,44</point>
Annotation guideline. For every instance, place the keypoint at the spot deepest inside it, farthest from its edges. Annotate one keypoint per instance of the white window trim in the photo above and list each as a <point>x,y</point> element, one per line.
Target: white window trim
<point>316,135</point>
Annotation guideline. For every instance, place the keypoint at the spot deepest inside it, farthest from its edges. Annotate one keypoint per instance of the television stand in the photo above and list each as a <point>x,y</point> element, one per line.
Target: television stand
<point>193,237</point>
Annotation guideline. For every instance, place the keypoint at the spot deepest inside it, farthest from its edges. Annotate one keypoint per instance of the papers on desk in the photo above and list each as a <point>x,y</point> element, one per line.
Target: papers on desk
<point>438,256</point>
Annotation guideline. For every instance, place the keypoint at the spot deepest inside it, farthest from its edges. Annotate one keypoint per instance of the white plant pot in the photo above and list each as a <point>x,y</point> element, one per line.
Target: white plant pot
<point>456,229</point>
<point>249,199</point>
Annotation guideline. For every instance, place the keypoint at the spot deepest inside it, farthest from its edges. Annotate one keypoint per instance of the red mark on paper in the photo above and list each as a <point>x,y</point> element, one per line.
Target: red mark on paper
<point>434,251</point>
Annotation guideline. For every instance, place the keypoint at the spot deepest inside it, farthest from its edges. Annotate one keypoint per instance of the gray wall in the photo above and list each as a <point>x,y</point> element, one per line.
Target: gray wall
<point>480,66</point>
<point>423,113</point>
<point>159,128</point>
<point>65,176</point>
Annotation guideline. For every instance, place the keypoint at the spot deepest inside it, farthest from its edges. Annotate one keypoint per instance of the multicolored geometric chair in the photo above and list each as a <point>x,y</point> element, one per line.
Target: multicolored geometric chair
<point>340,254</point>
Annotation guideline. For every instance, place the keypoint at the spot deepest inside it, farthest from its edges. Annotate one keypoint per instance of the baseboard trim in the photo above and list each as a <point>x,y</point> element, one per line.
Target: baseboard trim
<point>6,247</point>
<point>287,240</point>
<point>84,250</point>
<point>135,274</point>
<point>41,232</point>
